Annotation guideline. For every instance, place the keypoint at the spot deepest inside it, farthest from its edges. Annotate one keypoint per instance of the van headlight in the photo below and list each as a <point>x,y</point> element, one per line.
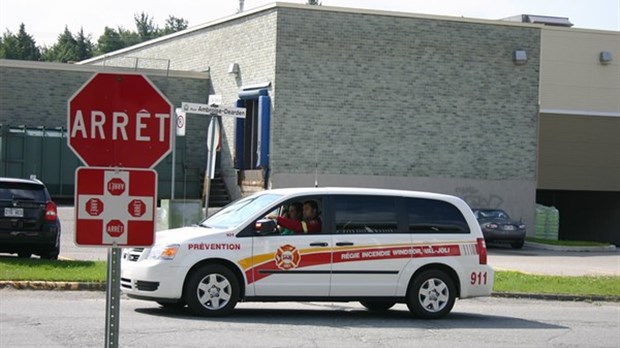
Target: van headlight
<point>163,252</point>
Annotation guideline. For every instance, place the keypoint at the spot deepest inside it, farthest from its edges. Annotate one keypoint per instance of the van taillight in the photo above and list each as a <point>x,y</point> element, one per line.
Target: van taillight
<point>51,214</point>
<point>481,247</point>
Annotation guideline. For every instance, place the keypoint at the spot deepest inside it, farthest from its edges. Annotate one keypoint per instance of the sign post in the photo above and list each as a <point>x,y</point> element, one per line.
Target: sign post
<point>120,123</point>
<point>213,132</point>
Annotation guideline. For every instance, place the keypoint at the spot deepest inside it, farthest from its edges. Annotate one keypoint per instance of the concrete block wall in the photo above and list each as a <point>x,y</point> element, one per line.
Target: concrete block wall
<point>404,96</point>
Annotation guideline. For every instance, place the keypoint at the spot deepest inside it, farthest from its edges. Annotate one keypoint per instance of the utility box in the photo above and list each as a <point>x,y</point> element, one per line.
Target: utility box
<point>179,213</point>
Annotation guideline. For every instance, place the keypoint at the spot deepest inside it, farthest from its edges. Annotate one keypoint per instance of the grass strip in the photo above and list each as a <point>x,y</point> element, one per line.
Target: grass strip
<point>511,281</point>
<point>52,270</point>
<point>565,242</point>
<point>17,269</point>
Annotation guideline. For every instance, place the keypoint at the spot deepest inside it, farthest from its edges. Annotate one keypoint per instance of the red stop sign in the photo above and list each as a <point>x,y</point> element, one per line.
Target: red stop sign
<point>119,120</point>
<point>116,186</point>
<point>136,208</point>
<point>94,207</point>
<point>115,228</point>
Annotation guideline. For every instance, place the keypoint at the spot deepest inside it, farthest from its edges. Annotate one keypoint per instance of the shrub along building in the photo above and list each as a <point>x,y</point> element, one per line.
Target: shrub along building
<point>346,97</point>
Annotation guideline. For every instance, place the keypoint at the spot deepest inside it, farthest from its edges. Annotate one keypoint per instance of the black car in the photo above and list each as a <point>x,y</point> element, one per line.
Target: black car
<point>29,221</point>
<point>497,226</point>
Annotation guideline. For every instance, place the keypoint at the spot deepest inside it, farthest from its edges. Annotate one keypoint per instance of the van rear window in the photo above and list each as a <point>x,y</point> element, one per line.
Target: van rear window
<point>433,216</point>
<point>22,192</point>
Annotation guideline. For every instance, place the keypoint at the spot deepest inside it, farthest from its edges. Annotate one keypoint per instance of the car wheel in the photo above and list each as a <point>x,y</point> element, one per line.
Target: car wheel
<point>50,255</point>
<point>378,306</point>
<point>431,295</point>
<point>518,244</point>
<point>212,291</point>
<point>24,255</point>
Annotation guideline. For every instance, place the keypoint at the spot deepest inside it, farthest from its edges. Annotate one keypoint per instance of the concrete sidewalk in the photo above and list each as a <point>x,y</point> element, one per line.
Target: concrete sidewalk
<point>549,262</point>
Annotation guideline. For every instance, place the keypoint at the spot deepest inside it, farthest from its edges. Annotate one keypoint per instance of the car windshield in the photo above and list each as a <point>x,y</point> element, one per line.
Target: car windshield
<point>238,212</point>
<point>493,214</point>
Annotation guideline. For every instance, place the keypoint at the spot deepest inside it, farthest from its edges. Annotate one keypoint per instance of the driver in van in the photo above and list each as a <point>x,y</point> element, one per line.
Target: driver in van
<point>294,212</point>
<point>310,224</point>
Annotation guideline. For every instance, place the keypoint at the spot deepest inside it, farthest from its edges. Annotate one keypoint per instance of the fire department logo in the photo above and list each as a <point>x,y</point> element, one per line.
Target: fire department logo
<point>287,257</point>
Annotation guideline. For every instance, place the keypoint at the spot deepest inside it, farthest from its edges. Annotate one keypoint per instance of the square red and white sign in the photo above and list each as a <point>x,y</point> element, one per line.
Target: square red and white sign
<point>115,207</point>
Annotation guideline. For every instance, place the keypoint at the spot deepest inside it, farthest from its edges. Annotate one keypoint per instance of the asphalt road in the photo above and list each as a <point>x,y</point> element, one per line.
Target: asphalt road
<point>76,319</point>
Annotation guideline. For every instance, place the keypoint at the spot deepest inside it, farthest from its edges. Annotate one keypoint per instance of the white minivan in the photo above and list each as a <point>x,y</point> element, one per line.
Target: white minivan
<point>378,247</point>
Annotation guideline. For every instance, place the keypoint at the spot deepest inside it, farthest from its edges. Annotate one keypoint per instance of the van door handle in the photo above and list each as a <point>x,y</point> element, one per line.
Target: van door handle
<point>319,244</point>
<point>344,243</point>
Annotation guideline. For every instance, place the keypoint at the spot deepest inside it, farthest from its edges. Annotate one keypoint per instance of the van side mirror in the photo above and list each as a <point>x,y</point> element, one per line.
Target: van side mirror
<point>265,226</point>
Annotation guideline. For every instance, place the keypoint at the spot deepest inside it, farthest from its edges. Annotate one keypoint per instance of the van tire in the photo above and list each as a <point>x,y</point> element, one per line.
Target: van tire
<point>431,295</point>
<point>378,306</point>
<point>212,291</point>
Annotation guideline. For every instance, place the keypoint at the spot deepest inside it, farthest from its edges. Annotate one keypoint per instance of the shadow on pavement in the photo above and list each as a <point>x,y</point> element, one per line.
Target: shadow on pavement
<point>355,318</point>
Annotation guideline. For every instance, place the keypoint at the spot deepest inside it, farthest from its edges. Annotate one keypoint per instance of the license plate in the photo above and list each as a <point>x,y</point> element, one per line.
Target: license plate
<point>13,212</point>
<point>509,228</point>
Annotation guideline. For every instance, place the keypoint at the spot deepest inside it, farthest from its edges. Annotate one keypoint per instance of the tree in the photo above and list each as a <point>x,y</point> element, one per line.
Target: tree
<point>69,48</point>
<point>145,27</point>
<point>21,46</point>
<point>85,45</point>
<point>314,2</point>
<point>64,50</point>
<point>174,24</point>
<point>109,41</point>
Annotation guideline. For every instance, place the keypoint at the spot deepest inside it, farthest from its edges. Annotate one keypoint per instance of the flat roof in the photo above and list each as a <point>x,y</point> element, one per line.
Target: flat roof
<point>276,5</point>
<point>25,64</point>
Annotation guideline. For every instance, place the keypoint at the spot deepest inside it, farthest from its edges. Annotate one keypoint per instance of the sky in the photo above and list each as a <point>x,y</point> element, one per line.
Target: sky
<point>45,19</point>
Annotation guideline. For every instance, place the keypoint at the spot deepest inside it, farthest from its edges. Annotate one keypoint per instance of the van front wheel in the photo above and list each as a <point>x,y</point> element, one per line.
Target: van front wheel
<point>431,295</point>
<point>212,291</point>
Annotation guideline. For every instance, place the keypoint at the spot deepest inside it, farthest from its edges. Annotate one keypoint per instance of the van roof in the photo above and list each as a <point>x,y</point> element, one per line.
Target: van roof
<point>357,190</point>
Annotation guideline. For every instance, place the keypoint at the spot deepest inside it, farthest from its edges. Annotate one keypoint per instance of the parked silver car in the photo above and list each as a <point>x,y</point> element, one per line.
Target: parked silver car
<point>497,226</point>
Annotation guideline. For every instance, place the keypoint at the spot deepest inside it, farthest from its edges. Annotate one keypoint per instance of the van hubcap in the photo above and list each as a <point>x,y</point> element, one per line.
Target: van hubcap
<point>214,291</point>
<point>434,295</point>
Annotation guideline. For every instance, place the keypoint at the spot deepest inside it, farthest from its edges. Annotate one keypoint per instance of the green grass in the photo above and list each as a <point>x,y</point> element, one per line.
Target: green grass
<point>52,270</point>
<point>565,242</point>
<point>511,281</point>
<point>505,281</point>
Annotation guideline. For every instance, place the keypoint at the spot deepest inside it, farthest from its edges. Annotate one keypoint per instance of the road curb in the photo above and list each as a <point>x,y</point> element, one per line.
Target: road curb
<point>541,246</point>
<point>41,285</point>
<point>557,297</point>
<point>79,286</point>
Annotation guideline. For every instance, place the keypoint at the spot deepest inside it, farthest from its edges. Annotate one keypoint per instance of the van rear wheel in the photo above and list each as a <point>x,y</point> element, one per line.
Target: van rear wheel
<point>431,295</point>
<point>212,291</point>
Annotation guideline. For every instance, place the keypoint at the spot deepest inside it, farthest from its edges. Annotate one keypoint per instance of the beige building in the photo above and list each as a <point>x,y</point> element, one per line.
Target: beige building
<point>579,131</point>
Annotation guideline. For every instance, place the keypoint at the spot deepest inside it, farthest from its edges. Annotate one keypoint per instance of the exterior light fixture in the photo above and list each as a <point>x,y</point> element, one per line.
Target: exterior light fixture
<point>519,57</point>
<point>605,57</point>
<point>233,69</point>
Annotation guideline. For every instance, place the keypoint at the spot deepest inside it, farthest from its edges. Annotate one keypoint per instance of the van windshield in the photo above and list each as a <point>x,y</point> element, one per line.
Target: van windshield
<point>238,212</point>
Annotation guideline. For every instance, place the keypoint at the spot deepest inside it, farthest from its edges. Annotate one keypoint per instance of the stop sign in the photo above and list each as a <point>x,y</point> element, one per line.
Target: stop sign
<point>119,120</point>
<point>116,186</point>
<point>94,206</point>
<point>115,228</point>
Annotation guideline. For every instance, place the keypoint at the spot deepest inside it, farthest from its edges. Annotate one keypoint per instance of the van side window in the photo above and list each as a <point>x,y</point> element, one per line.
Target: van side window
<point>365,214</point>
<point>433,216</point>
